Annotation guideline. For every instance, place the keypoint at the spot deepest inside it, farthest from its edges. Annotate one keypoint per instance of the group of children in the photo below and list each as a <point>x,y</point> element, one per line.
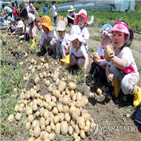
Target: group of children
<point>120,71</point>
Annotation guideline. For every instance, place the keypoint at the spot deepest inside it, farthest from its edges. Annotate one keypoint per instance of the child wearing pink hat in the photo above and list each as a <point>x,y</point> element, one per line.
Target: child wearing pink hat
<point>81,20</point>
<point>123,65</point>
<point>32,9</point>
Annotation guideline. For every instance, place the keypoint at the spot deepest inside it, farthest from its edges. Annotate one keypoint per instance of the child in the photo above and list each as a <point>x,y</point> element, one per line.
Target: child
<point>14,11</point>
<point>49,37</point>
<point>62,45</point>
<point>78,54</point>
<point>7,10</point>
<point>98,66</point>
<point>38,20</point>
<point>29,19</point>
<point>81,20</point>
<point>54,12</point>
<point>32,9</point>
<point>71,15</point>
<point>123,65</point>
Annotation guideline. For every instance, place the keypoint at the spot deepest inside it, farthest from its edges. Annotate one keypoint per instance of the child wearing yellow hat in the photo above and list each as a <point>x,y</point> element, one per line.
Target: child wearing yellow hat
<point>49,37</point>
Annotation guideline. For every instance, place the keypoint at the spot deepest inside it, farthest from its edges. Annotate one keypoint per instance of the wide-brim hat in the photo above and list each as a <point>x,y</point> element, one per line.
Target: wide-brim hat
<point>75,33</point>
<point>9,19</point>
<point>71,9</point>
<point>46,21</point>
<point>121,27</point>
<point>61,26</point>
<point>20,24</point>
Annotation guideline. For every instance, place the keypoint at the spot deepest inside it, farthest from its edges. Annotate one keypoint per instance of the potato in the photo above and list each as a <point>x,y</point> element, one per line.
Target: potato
<point>61,116</point>
<point>52,125</point>
<point>81,122</point>
<point>84,101</point>
<point>78,96</point>
<point>36,132</point>
<point>36,80</point>
<point>75,136</point>
<point>56,93</point>
<point>55,111</point>
<point>56,119</point>
<point>46,115</point>
<point>42,127</point>
<point>82,134</point>
<point>10,118</point>
<point>87,127</point>
<point>61,86</point>
<point>58,128</point>
<point>35,123</point>
<point>42,121</point>
<point>47,82</point>
<point>70,130</point>
<point>44,135</point>
<point>64,127</point>
<point>42,110</point>
<point>51,136</point>
<point>59,107</point>
<point>30,118</point>
<point>66,99</point>
<point>107,53</point>
<point>65,109</point>
<point>91,95</point>
<point>74,116</point>
<point>16,108</point>
<point>99,91</point>
<point>28,111</point>
<point>67,117</point>
<point>18,116</point>
<point>31,139</point>
<point>77,130</point>
<point>72,86</point>
<point>48,129</point>
<point>96,56</point>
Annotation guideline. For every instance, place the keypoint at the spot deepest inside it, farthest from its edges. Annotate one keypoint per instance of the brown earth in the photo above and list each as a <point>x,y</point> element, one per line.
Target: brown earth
<point>110,115</point>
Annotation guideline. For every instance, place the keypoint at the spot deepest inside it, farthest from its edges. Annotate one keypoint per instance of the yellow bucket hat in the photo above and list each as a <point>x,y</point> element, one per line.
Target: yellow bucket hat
<point>46,21</point>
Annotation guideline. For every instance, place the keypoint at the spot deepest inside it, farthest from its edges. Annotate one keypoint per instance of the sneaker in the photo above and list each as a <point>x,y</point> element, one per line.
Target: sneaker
<point>138,116</point>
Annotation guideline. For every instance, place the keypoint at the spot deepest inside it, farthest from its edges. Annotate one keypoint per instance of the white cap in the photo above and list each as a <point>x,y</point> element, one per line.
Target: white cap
<point>61,26</point>
<point>71,9</point>
<point>20,24</point>
<point>75,33</point>
<point>83,11</point>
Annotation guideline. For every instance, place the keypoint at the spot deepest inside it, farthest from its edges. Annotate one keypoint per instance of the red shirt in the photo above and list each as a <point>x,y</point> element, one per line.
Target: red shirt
<point>14,10</point>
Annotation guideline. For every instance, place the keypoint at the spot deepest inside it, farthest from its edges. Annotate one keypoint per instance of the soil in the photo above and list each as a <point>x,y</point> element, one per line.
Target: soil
<point>110,115</point>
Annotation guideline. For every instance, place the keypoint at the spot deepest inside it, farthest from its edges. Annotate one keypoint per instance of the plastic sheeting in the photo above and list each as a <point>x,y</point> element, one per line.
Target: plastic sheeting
<point>100,5</point>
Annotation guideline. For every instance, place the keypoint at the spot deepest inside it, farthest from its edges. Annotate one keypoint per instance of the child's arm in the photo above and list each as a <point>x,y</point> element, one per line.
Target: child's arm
<point>86,63</point>
<point>121,63</point>
<point>108,74</point>
<point>13,33</point>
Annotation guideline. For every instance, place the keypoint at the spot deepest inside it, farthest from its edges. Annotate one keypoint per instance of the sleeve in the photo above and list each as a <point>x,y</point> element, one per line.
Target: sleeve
<point>83,50</point>
<point>86,36</point>
<point>42,39</point>
<point>126,53</point>
<point>103,62</point>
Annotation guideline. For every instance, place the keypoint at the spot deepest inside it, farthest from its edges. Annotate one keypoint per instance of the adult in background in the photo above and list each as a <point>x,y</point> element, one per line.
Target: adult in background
<point>54,11</point>
<point>7,11</point>
<point>71,15</point>
<point>26,3</point>
<point>16,4</point>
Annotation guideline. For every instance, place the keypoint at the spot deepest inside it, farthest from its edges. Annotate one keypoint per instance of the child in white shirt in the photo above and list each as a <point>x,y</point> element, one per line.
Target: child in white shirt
<point>81,20</point>
<point>54,12</point>
<point>62,45</point>
<point>29,19</point>
<point>49,36</point>
<point>78,54</point>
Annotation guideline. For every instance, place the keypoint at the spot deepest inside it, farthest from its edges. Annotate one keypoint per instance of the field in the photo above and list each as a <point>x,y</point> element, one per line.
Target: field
<point>113,118</point>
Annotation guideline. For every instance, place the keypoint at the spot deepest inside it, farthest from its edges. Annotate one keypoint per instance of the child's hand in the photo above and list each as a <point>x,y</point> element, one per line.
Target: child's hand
<point>112,55</point>
<point>97,61</point>
<point>11,36</point>
<point>110,77</point>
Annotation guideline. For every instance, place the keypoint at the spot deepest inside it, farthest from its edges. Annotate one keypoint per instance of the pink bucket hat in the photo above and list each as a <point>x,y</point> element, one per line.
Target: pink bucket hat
<point>31,6</point>
<point>121,27</point>
<point>83,14</point>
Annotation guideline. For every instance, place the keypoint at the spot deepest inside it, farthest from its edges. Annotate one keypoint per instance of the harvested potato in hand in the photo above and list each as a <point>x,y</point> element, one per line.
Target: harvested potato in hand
<point>96,56</point>
<point>107,52</point>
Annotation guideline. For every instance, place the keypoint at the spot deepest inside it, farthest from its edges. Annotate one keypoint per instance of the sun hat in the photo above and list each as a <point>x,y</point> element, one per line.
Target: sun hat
<point>46,21</point>
<point>20,24</point>
<point>9,19</point>
<point>31,6</point>
<point>105,30</point>
<point>61,26</point>
<point>83,14</point>
<point>121,27</point>
<point>75,33</point>
<point>71,9</point>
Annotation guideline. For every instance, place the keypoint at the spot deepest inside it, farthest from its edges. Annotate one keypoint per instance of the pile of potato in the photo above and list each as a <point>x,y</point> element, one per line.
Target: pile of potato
<point>59,111</point>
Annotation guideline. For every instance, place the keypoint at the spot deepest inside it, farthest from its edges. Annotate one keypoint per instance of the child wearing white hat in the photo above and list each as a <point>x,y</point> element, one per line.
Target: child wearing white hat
<point>78,54</point>
<point>63,44</point>
<point>81,20</point>
<point>71,15</point>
